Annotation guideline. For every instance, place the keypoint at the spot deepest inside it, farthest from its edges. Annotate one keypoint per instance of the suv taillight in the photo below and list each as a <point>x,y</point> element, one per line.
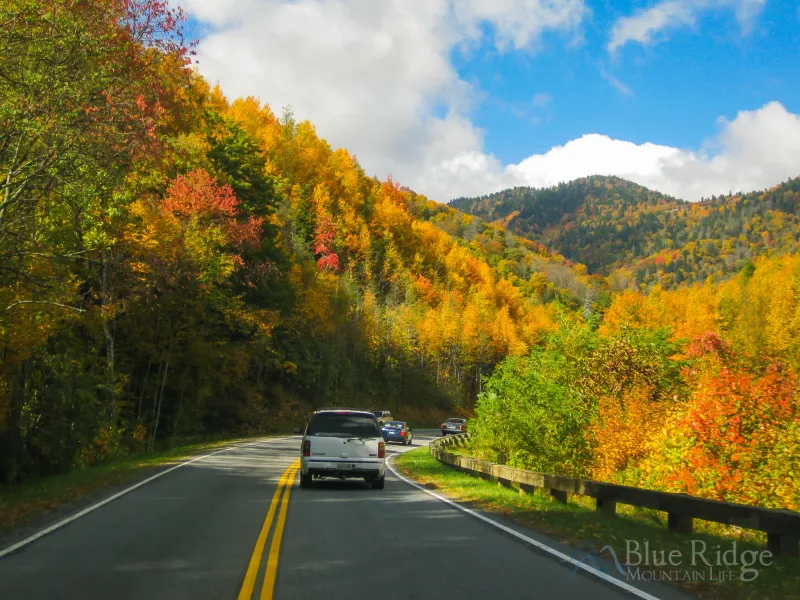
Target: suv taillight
<point>460,427</point>
<point>441,426</point>
<point>307,448</point>
<point>381,450</point>
<point>402,433</point>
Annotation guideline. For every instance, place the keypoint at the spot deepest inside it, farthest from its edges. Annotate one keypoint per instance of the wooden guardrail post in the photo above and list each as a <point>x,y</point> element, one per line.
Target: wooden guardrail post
<point>680,523</point>
<point>784,544</point>
<point>606,505</point>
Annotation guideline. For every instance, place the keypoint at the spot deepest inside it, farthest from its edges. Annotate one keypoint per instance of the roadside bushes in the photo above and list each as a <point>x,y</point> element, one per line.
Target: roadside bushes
<point>583,405</point>
<point>635,406</point>
<point>531,415</point>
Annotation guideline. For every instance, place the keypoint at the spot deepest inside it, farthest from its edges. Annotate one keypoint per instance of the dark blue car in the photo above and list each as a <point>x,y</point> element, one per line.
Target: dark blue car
<point>397,431</point>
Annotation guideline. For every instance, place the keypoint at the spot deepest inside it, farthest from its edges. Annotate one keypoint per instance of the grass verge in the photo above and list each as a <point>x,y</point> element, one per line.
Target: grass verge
<point>577,523</point>
<point>21,504</point>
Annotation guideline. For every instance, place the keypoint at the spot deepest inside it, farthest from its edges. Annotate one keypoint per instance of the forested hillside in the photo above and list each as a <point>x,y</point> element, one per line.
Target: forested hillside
<point>640,237</point>
<point>692,391</point>
<point>174,264</point>
<point>681,373</point>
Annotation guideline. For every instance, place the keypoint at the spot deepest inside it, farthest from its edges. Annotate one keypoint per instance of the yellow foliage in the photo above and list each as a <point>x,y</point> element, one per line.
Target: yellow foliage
<point>623,430</point>
<point>630,309</point>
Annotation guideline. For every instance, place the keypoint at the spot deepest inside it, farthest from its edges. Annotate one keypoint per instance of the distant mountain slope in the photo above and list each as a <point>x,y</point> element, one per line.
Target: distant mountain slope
<point>540,271</point>
<point>718,238</point>
<point>599,221</point>
<point>616,227</point>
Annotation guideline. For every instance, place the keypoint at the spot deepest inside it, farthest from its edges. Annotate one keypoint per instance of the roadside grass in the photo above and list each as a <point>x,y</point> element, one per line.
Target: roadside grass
<point>20,504</point>
<point>576,523</point>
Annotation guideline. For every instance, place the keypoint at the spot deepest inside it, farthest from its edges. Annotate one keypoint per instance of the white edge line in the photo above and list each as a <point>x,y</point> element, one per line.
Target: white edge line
<point>597,573</point>
<point>94,507</point>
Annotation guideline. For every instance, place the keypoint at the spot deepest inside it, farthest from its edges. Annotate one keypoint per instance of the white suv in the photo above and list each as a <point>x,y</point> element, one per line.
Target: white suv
<point>344,444</point>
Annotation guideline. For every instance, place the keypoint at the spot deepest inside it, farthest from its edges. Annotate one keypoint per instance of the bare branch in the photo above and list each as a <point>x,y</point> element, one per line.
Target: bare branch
<point>45,303</point>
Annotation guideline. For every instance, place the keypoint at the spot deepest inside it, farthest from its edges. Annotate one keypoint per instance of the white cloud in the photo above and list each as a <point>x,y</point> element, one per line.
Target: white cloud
<point>646,24</point>
<point>754,151</point>
<point>373,77</point>
<point>519,22</point>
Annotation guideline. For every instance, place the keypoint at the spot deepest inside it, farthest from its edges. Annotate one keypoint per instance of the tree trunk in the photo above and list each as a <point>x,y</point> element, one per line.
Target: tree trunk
<point>178,411</point>
<point>160,402</point>
<point>108,332</point>
<point>149,366</point>
<point>11,445</point>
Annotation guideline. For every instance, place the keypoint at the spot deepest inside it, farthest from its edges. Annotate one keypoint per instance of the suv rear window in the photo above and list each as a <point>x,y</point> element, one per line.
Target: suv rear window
<point>343,425</point>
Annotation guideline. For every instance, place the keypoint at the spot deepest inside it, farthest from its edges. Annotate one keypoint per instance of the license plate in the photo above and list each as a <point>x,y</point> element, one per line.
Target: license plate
<point>348,466</point>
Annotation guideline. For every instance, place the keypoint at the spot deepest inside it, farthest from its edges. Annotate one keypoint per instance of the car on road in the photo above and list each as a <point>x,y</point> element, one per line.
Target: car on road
<point>383,416</point>
<point>343,444</point>
<point>397,431</point>
<point>454,425</point>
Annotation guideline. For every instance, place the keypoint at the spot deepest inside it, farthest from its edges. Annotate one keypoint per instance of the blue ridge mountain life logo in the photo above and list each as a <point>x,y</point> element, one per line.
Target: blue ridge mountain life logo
<point>640,562</point>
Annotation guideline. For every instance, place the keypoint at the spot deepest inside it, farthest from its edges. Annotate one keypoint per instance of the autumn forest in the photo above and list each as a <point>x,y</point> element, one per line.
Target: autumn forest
<point>176,264</point>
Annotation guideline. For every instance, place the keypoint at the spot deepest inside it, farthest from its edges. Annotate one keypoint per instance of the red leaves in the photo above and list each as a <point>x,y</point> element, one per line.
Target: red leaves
<point>324,240</point>
<point>199,194</point>
<point>325,236</point>
<point>328,262</point>
<point>733,418</point>
<point>247,233</point>
<point>708,343</point>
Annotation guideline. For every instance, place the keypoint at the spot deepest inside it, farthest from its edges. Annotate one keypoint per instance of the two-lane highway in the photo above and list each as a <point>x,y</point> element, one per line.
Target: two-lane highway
<point>237,525</point>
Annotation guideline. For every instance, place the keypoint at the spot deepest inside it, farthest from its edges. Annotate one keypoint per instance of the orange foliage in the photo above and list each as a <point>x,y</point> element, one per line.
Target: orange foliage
<point>623,430</point>
<point>734,420</point>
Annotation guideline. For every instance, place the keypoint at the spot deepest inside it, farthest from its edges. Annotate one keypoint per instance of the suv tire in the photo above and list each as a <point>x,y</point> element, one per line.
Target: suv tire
<point>305,480</point>
<point>378,484</point>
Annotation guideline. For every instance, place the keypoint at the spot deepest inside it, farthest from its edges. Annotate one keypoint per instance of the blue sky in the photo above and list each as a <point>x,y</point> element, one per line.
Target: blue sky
<point>678,87</point>
<point>466,97</point>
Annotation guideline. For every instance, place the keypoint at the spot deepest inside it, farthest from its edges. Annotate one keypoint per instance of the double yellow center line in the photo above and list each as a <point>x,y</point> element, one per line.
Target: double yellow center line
<point>284,487</point>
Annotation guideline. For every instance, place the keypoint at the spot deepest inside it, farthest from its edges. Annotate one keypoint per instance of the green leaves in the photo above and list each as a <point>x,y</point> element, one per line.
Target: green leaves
<point>529,418</point>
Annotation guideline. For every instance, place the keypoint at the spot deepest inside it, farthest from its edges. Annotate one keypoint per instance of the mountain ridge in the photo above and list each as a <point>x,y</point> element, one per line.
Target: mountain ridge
<point>624,231</point>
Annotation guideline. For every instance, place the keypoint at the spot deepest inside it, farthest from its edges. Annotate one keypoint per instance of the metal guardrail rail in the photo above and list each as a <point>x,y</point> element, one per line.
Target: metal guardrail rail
<point>781,526</point>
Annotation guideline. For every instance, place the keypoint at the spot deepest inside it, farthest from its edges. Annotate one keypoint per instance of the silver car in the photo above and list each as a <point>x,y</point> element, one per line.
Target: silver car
<point>454,425</point>
<point>343,444</point>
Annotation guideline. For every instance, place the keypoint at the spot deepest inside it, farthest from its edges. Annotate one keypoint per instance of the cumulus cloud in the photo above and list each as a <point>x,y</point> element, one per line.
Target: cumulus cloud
<point>374,77</point>
<point>755,150</point>
<point>645,25</point>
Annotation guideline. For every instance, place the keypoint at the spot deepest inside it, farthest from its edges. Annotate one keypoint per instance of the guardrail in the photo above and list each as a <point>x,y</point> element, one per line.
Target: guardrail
<point>781,526</point>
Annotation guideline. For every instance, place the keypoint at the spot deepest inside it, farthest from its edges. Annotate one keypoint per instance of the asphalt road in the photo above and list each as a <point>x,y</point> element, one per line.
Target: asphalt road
<point>199,532</point>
